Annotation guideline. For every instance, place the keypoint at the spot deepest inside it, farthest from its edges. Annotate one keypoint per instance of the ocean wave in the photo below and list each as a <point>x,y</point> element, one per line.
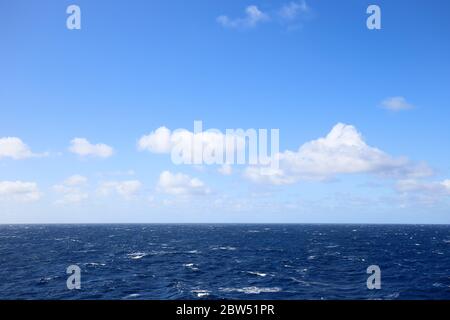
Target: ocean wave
<point>132,296</point>
<point>440,285</point>
<point>305,283</point>
<point>229,248</point>
<point>191,266</point>
<point>309,283</point>
<point>259,274</point>
<point>162,252</point>
<point>47,279</point>
<point>252,290</point>
<point>137,255</point>
<point>201,293</point>
<point>394,295</point>
<point>94,264</point>
<point>200,262</point>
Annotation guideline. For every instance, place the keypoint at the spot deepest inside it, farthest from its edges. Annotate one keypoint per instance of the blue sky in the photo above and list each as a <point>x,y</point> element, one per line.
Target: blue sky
<point>138,66</point>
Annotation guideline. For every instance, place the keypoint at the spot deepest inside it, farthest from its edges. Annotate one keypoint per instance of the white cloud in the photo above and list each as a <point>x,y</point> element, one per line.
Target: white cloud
<point>288,13</point>
<point>253,16</point>
<point>411,185</point>
<point>396,104</point>
<point>159,141</point>
<point>83,148</point>
<point>180,184</point>
<point>71,190</point>
<point>226,170</point>
<point>446,185</point>
<point>423,192</point>
<point>70,195</point>
<point>126,189</point>
<point>292,10</point>
<point>164,140</point>
<point>75,180</point>
<point>15,148</point>
<point>19,191</point>
<point>342,151</point>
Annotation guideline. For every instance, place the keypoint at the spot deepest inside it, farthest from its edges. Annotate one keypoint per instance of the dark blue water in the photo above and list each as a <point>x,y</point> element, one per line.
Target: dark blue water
<point>225,261</point>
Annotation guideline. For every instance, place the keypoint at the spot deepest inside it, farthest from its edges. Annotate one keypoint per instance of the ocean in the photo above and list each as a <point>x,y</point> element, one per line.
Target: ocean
<point>224,261</point>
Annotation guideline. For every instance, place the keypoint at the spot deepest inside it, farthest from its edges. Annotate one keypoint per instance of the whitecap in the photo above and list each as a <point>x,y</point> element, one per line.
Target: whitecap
<point>252,290</point>
<point>95,264</point>
<point>191,266</point>
<point>394,295</point>
<point>439,285</point>
<point>47,279</point>
<point>259,274</point>
<point>201,293</point>
<point>224,248</point>
<point>160,252</point>
<point>136,255</point>
<point>227,248</point>
<point>133,295</point>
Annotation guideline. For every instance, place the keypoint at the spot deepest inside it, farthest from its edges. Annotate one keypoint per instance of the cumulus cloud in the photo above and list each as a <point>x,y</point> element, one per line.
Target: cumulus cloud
<point>289,14</point>
<point>71,190</point>
<point>411,185</point>
<point>14,148</point>
<point>70,195</point>
<point>293,10</point>
<point>396,104</point>
<point>423,192</point>
<point>126,189</point>
<point>212,147</point>
<point>446,185</point>
<point>84,148</point>
<point>19,191</point>
<point>180,184</point>
<point>75,180</point>
<point>159,141</point>
<point>342,151</point>
<point>253,16</point>
<point>226,170</point>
